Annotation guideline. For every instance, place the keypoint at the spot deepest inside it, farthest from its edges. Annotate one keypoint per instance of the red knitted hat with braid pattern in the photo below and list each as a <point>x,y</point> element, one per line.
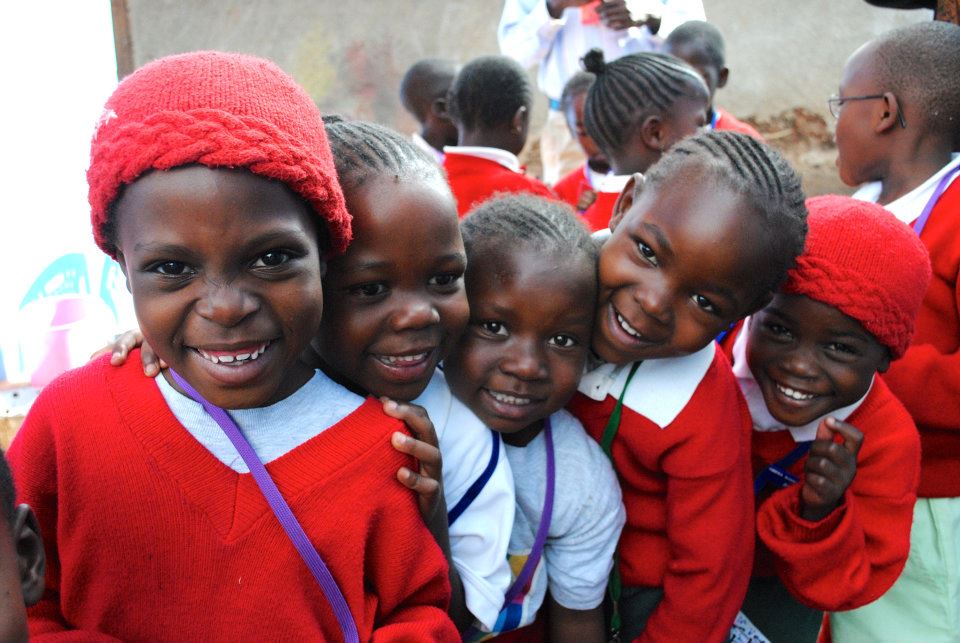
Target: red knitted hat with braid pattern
<point>862,260</point>
<point>221,110</point>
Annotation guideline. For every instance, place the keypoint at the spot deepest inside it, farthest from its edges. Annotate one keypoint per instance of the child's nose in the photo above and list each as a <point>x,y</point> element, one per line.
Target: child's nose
<point>524,361</point>
<point>800,362</point>
<point>654,298</point>
<point>226,305</point>
<point>414,312</point>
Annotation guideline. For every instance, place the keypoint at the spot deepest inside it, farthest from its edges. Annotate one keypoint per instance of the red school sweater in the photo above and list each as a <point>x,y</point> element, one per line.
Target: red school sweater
<point>473,180</point>
<point>682,457</point>
<point>727,121</point>
<point>927,378</point>
<point>149,537</point>
<point>575,189</point>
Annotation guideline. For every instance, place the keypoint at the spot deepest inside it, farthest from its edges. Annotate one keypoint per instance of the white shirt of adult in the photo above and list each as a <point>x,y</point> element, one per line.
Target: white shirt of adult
<point>528,34</point>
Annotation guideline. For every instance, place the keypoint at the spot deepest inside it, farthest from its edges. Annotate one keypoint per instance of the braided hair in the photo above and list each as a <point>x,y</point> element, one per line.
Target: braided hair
<point>488,91</point>
<point>549,226</point>
<point>362,150</point>
<point>760,175</point>
<point>629,89</point>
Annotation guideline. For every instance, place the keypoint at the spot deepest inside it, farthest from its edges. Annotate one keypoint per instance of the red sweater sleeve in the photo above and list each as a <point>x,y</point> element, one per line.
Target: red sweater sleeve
<point>854,555</point>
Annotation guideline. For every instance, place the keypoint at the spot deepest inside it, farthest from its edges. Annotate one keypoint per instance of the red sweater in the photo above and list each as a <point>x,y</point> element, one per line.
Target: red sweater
<point>473,179</point>
<point>727,121</point>
<point>575,189</point>
<point>854,555</point>
<point>927,377</point>
<point>150,537</point>
<point>597,216</point>
<point>688,495</point>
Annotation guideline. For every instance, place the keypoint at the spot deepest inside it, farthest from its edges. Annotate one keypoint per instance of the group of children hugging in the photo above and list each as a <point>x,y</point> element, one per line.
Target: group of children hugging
<point>355,416</point>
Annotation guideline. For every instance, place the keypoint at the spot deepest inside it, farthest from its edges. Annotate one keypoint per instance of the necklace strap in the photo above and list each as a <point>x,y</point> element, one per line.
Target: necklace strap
<point>921,221</point>
<point>281,510</point>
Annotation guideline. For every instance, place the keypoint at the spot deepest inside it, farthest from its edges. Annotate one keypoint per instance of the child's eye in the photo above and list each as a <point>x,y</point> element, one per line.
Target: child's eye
<point>705,304</point>
<point>368,290</point>
<point>563,341</point>
<point>494,327</point>
<point>444,280</point>
<point>271,259</point>
<point>844,349</point>
<point>647,252</point>
<point>776,329</point>
<point>171,268</point>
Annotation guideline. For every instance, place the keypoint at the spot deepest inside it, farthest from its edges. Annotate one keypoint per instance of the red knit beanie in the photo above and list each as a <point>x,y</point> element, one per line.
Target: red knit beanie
<point>221,110</point>
<point>862,260</point>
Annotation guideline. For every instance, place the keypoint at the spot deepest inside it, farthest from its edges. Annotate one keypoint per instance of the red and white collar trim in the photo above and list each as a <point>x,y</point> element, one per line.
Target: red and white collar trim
<point>495,154</point>
<point>661,388</point>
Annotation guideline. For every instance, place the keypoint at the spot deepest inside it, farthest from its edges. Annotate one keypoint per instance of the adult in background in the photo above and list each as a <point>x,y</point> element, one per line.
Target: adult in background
<point>556,33</point>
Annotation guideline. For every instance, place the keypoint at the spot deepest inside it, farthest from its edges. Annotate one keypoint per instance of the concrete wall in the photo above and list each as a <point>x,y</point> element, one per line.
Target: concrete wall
<point>785,56</point>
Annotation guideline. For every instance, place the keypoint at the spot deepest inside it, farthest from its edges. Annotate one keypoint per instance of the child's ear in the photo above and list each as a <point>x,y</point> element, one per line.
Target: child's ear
<point>30,555</point>
<point>630,193</point>
<point>651,132</point>
<point>723,77</point>
<point>885,362</point>
<point>890,118</point>
<point>439,108</point>
<point>519,121</point>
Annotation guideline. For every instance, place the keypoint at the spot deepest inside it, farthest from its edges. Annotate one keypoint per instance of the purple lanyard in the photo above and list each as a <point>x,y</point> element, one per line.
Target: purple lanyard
<point>534,558</point>
<point>282,511</point>
<point>921,221</point>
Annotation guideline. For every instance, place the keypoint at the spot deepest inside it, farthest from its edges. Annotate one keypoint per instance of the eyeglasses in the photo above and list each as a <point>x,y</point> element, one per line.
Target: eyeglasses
<point>835,104</point>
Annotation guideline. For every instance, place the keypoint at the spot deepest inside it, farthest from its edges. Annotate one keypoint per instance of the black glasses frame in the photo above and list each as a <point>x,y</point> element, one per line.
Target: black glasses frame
<point>834,103</point>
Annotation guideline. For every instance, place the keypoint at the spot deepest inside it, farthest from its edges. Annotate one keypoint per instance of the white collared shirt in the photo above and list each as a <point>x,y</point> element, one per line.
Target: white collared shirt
<point>762,420</point>
<point>612,183</point>
<point>495,154</point>
<point>908,207</point>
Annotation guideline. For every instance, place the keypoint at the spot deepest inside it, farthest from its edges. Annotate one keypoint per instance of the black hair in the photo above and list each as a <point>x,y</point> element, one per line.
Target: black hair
<point>548,225</point>
<point>362,150</point>
<point>578,84</point>
<point>629,88</point>
<point>488,91</point>
<point>760,175</point>
<point>8,492</point>
<point>704,36</point>
<point>426,81</point>
<point>920,64</point>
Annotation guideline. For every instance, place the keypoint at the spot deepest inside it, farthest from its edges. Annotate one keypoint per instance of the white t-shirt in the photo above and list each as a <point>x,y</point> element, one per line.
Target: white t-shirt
<point>480,536</point>
<point>588,516</point>
<point>908,207</point>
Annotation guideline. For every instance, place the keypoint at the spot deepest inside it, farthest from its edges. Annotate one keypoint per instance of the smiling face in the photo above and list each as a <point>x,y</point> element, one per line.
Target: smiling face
<point>810,359</point>
<point>858,158</point>
<point>679,268</point>
<point>523,353</point>
<point>224,268</point>
<point>395,302</point>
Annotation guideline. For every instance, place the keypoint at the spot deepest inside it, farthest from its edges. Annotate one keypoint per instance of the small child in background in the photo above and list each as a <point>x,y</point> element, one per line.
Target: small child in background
<point>423,92</point>
<point>211,182</point>
<point>637,108</point>
<point>579,187</point>
<point>808,366</point>
<point>22,560</point>
<point>700,242</point>
<point>700,45</point>
<point>490,102</point>
<point>898,110</point>
<point>532,269</point>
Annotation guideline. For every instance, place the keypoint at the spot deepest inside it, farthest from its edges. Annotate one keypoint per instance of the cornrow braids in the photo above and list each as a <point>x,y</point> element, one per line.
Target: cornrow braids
<point>630,88</point>
<point>548,225</point>
<point>488,91</point>
<point>760,175</point>
<point>362,150</point>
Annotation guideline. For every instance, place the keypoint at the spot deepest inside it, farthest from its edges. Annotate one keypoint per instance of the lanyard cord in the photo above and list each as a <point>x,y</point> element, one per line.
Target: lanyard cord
<point>281,510</point>
<point>615,585</point>
<point>921,221</point>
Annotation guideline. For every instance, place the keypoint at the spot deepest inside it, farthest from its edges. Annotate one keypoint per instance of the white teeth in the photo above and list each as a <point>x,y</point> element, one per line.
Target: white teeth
<point>627,327</point>
<point>402,359</point>
<point>234,359</point>
<point>503,398</point>
<point>794,394</point>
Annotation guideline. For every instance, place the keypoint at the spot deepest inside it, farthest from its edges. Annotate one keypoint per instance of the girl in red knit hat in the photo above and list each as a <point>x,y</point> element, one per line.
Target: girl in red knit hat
<point>836,457</point>
<point>241,495</point>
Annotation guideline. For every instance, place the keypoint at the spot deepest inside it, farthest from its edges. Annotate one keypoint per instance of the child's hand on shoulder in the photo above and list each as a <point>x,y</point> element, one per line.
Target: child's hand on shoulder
<point>830,468</point>
<point>124,343</point>
<point>423,445</point>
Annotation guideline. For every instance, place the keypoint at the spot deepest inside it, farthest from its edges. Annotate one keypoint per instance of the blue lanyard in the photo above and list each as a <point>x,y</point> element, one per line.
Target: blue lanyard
<point>776,474</point>
<point>921,221</point>
<point>478,484</point>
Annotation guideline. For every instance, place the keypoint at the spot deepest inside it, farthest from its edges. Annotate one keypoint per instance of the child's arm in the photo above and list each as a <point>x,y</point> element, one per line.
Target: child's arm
<point>124,344</point>
<point>575,626</point>
<point>830,468</point>
<point>428,484</point>
<point>855,553</point>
